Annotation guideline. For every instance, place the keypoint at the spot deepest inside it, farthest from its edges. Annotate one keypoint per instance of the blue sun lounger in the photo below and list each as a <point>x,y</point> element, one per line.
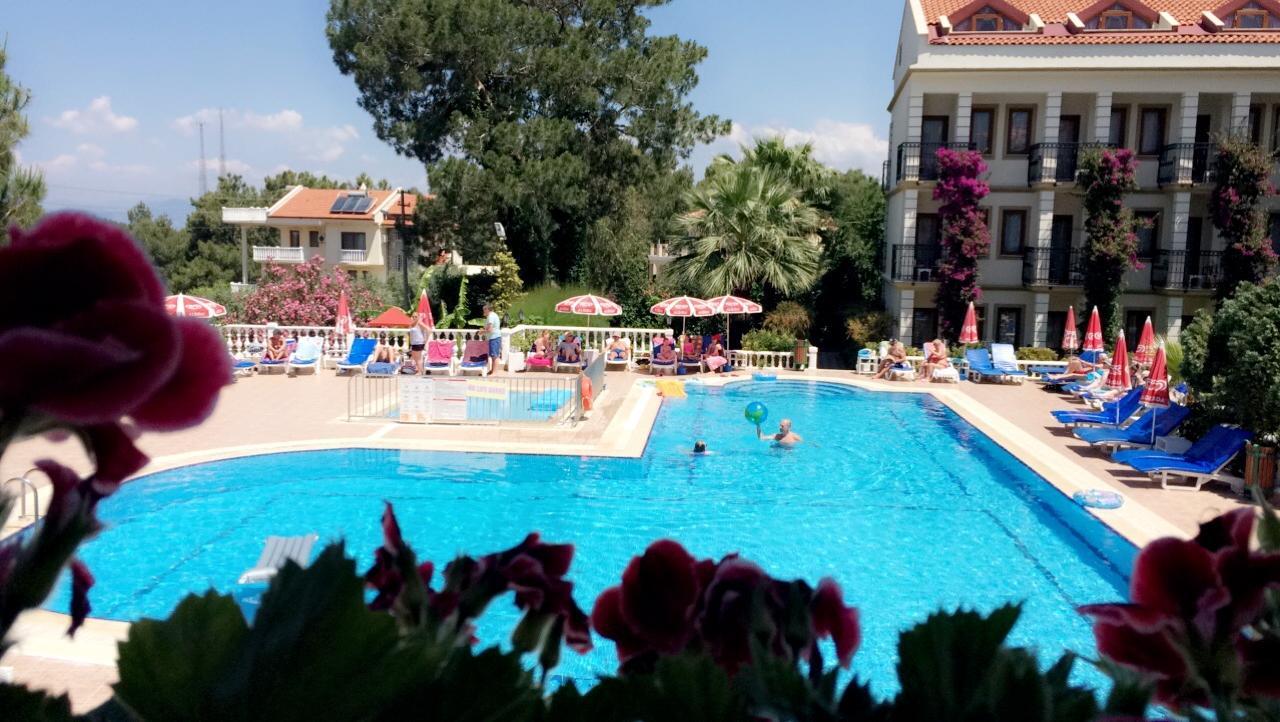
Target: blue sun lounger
<point>1113,413</point>
<point>1201,463</point>
<point>358,355</point>
<point>1139,434</point>
<point>979,365</point>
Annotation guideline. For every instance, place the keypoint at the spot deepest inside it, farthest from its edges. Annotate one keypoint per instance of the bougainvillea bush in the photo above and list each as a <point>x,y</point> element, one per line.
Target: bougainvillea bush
<point>305,294</point>
<point>696,639</point>
<point>1242,180</point>
<point>965,237</point>
<point>1111,241</point>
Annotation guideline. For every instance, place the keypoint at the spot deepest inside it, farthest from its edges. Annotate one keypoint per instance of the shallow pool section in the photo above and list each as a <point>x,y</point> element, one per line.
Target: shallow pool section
<point>905,504</point>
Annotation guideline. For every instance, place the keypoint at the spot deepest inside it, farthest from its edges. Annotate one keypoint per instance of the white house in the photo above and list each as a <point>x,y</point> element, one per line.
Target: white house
<point>1030,83</point>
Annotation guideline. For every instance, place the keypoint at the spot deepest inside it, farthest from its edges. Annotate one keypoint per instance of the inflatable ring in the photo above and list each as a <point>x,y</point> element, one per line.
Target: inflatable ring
<point>1098,499</point>
<point>759,376</point>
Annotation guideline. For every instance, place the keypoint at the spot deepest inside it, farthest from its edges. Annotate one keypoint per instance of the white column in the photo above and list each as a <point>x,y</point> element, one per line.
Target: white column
<point>1102,117</point>
<point>1181,214</point>
<point>915,123</point>
<point>1042,232</point>
<point>1049,133</point>
<point>964,113</point>
<point>910,206</point>
<point>1240,113</point>
<point>906,311</point>
<point>1173,318</point>
<point>1040,320</point>
<point>1186,133</point>
<point>244,254</point>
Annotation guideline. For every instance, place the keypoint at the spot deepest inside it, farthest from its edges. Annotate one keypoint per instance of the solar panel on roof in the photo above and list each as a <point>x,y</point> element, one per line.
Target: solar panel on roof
<point>363,205</point>
<point>337,204</point>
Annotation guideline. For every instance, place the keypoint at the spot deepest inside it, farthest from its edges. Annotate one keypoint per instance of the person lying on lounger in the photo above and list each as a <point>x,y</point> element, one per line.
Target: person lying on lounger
<point>935,357</point>
<point>541,347</point>
<point>897,355</point>
<point>784,437</point>
<point>569,349</point>
<point>1077,369</point>
<point>666,354</point>
<point>384,354</point>
<point>277,349</point>
<point>619,350</point>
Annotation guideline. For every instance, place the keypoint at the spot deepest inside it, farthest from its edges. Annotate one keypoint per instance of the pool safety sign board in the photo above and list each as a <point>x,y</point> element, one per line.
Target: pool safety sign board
<point>427,400</point>
<point>487,389</point>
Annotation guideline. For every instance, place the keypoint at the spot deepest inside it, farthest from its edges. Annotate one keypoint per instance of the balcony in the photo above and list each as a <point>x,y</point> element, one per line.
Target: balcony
<point>353,256</point>
<point>1049,267</point>
<point>278,254</point>
<point>1186,271</point>
<point>1187,164</point>
<point>659,252</point>
<point>917,263</point>
<point>1053,163</point>
<point>919,161</point>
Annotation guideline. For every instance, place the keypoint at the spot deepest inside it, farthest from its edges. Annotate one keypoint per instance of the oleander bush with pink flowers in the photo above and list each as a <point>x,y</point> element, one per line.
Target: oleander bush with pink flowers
<point>305,294</point>
<point>695,639</point>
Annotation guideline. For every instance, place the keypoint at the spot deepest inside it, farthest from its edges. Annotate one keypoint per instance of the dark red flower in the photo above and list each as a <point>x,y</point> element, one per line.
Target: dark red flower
<point>190,393</point>
<point>608,621</point>
<point>81,582</point>
<point>730,608</point>
<point>832,618</point>
<point>114,455</point>
<point>659,592</point>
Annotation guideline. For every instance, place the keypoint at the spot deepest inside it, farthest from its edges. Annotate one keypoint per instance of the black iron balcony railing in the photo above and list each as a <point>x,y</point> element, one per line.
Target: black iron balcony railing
<point>915,262</point>
<point>919,161</point>
<point>1052,267</point>
<point>1185,164</point>
<point>1056,162</point>
<point>1185,270</point>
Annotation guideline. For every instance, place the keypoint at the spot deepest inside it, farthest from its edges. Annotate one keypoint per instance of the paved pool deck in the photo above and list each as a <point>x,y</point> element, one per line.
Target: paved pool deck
<point>264,414</point>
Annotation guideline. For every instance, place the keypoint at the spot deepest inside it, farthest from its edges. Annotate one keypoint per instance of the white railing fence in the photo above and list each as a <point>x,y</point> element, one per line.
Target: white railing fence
<point>597,337</point>
<point>278,254</point>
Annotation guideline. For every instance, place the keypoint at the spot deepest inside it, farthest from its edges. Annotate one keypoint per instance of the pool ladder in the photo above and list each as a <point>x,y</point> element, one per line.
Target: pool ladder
<point>25,484</point>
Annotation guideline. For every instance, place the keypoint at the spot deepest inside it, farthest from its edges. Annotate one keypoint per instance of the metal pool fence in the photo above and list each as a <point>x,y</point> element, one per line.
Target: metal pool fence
<point>595,375</point>
<point>503,400</point>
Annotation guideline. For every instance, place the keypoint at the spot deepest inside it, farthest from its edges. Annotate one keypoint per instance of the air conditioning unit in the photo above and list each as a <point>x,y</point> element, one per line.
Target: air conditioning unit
<point>924,274</point>
<point>1195,281</point>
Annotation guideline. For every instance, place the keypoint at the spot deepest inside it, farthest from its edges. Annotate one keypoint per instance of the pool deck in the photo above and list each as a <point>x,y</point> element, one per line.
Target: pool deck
<point>265,414</point>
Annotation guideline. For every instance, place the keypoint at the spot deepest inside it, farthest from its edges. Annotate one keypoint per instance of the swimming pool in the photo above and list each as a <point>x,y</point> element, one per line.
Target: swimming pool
<point>905,504</point>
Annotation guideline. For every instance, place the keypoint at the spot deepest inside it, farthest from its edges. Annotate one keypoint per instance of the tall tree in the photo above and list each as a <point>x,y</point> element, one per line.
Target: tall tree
<point>851,282</point>
<point>538,115</point>
<point>1111,245</point>
<point>21,189</point>
<point>794,164</point>
<point>746,226</point>
<point>166,245</point>
<point>1242,180</point>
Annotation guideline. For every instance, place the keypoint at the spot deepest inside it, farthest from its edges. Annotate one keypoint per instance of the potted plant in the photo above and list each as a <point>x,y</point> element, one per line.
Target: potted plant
<point>1260,467</point>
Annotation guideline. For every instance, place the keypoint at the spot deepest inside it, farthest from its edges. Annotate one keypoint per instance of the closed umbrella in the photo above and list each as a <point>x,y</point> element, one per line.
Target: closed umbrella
<point>344,324</point>
<point>1145,351</point>
<point>424,310</point>
<point>969,329</point>
<point>682,307</point>
<point>1118,377</point>
<point>589,306</point>
<point>729,305</point>
<point>1093,334</point>
<point>1070,334</point>
<point>193,307</point>
<point>1156,393</point>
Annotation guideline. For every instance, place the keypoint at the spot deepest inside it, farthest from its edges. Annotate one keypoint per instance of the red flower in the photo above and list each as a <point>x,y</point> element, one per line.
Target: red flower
<point>1192,601</point>
<point>832,618</point>
<point>659,591</point>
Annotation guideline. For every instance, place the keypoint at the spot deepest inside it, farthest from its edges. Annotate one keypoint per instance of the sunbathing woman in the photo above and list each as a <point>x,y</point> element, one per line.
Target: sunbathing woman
<point>716,357</point>
<point>541,347</point>
<point>384,354</point>
<point>935,357</point>
<point>277,349</point>
<point>1077,369</point>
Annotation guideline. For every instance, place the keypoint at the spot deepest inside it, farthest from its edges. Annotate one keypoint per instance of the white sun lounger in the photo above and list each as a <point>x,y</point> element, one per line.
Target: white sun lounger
<point>277,551</point>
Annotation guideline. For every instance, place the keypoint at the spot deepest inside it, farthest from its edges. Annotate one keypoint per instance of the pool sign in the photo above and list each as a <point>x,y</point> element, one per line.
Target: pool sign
<point>427,400</point>
<point>487,389</point>
<point>415,399</point>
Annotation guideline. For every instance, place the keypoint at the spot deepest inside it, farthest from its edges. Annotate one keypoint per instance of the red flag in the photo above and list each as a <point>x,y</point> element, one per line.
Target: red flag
<point>424,310</point>
<point>344,325</point>
<point>969,329</point>
<point>1093,334</point>
<point>1156,392</point>
<point>1118,378</point>
<point>1070,334</point>
<point>1145,351</point>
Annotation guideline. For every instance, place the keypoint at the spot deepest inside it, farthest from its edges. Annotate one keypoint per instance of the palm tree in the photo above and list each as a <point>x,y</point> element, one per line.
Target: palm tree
<point>746,225</point>
<point>795,164</point>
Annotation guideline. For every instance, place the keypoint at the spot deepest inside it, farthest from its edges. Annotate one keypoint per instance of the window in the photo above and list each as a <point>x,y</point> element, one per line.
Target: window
<point>295,239</point>
<point>1055,327</point>
<point>987,22</point>
<point>352,241</point>
<point>1148,232</point>
<point>1151,131</point>
<point>1251,18</point>
<point>924,326</point>
<point>1255,123</point>
<point>314,239</point>
<point>1013,232</point>
<point>1018,138</point>
<point>1275,131</point>
<point>1116,20</point>
<point>1134,320</point>
<point>982,122</point>
<point>1275,232</point>
<point>1119,127</point>
<point>1009,325</point>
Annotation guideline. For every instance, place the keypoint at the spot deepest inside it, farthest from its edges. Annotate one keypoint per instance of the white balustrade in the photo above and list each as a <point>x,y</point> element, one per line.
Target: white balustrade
<point>278,254</point>
<point>596,337</point>
<point>762,359</point>
<point>354,255</point>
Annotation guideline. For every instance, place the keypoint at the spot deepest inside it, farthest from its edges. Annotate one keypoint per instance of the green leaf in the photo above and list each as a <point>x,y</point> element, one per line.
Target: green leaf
<point>944,663</point>
<point>491,685</point>
<point>776,688</point>
<point>858,705</point>
<point>692,688</point>
<point>1130,693</point>
<point>1069,703</point>
<point>169,668</point>
<point>19,703</point>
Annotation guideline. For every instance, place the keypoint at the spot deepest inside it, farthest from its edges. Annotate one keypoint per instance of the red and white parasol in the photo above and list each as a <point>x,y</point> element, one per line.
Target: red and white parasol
<point>682,307</point>
<point>1145,351</point>
<point>424,310</point>
<point>344,324</point>
<point>1118,377</point>
<point>1070,334</point>
<point>730,305</point>
<point>1156,393</point>
<point>969,329</point>
<point>589,305</point>
<point>193,307</point>
<point>1093,334</point>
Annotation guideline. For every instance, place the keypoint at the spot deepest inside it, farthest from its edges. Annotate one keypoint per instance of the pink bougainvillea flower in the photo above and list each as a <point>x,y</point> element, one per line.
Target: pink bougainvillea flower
<point>81,582</point>
<point>831,618</point>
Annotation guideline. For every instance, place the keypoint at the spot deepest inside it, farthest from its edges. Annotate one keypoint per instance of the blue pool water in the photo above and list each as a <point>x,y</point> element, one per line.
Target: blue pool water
<point>906,505</point>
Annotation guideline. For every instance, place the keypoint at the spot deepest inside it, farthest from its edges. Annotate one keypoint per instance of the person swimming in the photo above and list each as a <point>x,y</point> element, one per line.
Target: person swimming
<point>784,437</point>
<point>699,447</point>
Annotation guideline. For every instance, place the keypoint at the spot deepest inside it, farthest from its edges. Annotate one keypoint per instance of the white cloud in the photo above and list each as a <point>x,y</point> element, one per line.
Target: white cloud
<point>89,149</point>
<point>234,166</point>
<point>323,144</point>
<point>92,157</point>
<point>844,146</point>
<point>58,162</point>
<point>97,118</point>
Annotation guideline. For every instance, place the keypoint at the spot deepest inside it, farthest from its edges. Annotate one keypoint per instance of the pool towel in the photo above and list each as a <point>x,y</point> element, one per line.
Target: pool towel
<point>670,388</point>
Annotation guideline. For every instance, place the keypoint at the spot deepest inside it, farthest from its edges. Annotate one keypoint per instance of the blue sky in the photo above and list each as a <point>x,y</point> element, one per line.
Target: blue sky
<point>120,87</point>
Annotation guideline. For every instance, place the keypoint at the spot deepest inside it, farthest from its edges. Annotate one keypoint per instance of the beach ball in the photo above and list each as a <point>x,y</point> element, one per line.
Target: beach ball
<point>756,413</point>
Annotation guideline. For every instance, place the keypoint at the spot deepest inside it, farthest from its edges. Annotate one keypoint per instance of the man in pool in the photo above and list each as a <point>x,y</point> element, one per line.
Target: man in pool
<point>785,436</point>
<point>699,447</point>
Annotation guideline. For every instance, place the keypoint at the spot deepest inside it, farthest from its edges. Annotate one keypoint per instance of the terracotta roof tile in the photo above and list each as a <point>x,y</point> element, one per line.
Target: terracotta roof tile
<point>1055,11</point>
<point>315,203</point>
